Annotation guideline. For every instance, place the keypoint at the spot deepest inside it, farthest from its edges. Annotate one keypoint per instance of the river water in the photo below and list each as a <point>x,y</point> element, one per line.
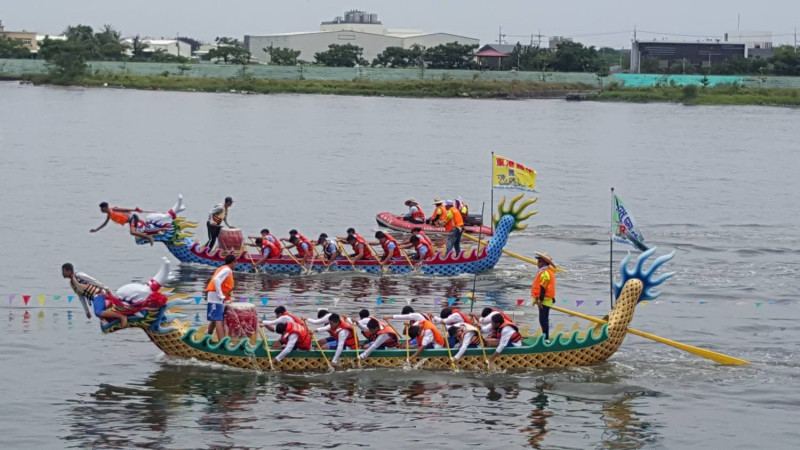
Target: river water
<point>717,185</point>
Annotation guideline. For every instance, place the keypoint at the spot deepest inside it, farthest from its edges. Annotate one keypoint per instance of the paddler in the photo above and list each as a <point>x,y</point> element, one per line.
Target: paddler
<point>303,245</point>
<point>267,249</point>
<point>92,294</point>
<point>293,336</point>
<point>218,293</point>
<point>343,333</point>
<point>216,217</point>
<point>360,250</point>
<point>449,317</point>
<point>415,213</point>
<point>131,217</point>
<point>330,249</point>
<point>504,333</point>
<point>281,316</point>
<point>385,337</point>
<point>543,290</point>
<point>423,252</point>
<point>427,335</point>
<point>454,224</point>
<point>390,247</point>
<point>466,336</point>
<point>265,236</point>
<point>437,218</point>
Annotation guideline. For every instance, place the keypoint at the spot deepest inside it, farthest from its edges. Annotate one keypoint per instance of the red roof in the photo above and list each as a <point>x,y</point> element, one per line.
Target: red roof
<point>491,52</point>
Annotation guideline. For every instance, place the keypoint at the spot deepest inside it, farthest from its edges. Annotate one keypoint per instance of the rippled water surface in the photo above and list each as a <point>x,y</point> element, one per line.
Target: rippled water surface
<point>716,185</point>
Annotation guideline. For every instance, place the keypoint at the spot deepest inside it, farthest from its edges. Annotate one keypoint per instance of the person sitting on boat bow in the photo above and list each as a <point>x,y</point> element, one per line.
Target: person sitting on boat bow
<point>466,336</point>
<point>92,294</point>
<point>293,336</point>
<point>504,333</point>
<point>427,335</point>
<point>385,337</point>
<point>343,333</point>
<point>330,249</point>
<point>218,293</point>
<point>415,213</point>
<point>137,225</point>
<point>390,247</point>
<point>437,218</point>
<point>281,316</point>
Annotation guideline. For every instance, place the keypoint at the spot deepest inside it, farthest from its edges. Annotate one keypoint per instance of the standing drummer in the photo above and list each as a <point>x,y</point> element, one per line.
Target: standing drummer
<point>216,217</point>
<point>218,293</point>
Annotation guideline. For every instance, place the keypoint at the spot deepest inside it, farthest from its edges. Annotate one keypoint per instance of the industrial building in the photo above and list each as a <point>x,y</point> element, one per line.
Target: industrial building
<point>356,27</point>
<point>700,54</point>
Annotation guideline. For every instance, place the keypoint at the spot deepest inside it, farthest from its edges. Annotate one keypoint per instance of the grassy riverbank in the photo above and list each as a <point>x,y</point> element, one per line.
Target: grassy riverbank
<point>411,88</point>
<point>697,95</point>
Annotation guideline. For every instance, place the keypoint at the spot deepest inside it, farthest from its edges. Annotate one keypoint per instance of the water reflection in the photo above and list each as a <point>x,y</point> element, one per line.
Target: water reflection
<point>624,428</point>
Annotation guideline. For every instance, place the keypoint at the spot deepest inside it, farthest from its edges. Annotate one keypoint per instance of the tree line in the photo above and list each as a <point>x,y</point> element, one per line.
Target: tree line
<point>444,56</point>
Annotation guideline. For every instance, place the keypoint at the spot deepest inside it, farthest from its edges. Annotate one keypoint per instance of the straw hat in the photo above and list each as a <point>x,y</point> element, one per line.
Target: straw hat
<point>411,200</point>
<point>437,201</point>
<point>546,258</point>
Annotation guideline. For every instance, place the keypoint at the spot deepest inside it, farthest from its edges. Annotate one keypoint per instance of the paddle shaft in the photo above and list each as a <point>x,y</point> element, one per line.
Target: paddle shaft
<point>305,269</point>
<point>321,350</point>
<point>714,356</point>
<point>355,338</point>
<point>341,249</point>
<point>403,251</point>
<point>266,347</point>
<point>253,261</point>
<point>447,343</point>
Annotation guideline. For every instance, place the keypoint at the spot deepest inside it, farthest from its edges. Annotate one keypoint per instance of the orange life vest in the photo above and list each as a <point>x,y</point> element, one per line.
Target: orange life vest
<point>498,333</point>
<point>300,250</point>
<point>455,221</point>
<point>393,340</point>
<point>550,289</point>
<point>303,336</point>
<point>419,213</point>
<point>428,325</point>
<point>227,285</point>
<point>464,317</point>
<point>504,315</point>
<point>385,245</point>
<point>350,342</point>
<point>438,213</point>
<point>274,249</point>
<point>295,318</point>
<point>475,339</point>
<point>118,217</point>
<point>420,244</point>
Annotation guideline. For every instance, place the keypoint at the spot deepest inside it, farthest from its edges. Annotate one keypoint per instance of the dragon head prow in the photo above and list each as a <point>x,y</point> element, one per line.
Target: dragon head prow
<point>646,276</point>
<point>517,213</point>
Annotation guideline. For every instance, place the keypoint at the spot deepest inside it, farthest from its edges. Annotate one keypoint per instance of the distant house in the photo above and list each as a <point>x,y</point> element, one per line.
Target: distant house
<point>494,56</point>
<point>356,27</point>
<point>667,53</point>
<point>28,38</point>
<point>171,46</point>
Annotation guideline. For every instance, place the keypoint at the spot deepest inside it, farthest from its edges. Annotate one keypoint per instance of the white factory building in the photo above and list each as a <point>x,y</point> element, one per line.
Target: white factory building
<point>357,28</point>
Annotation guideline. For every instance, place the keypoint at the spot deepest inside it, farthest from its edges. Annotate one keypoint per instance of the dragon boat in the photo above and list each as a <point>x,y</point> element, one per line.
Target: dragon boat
<point>397,223</point>
<point>178,238</point>
<point>574,348</point>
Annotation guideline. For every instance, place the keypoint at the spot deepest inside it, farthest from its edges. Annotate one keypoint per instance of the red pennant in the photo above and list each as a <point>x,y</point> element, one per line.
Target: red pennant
<point>26,298</point>
<point>520,301</point>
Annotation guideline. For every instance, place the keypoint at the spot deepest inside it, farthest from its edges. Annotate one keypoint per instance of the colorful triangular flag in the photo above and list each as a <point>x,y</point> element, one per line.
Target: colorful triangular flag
<point>450,301</point>
<point>264,300</point>
<point>69,298</point>
<point>379,301</point>
<point>41,299</point>
<point>197,300</point>
<point>578,302</point>
<point>26,299</point>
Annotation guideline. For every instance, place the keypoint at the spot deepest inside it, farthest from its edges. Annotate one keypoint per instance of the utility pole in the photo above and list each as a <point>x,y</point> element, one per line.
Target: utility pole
<point>500,36</point>
<point>795,39</point>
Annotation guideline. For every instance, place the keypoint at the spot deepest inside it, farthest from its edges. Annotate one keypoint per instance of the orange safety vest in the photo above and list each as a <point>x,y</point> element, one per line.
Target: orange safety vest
<point>361,242</point>
<point>464,317</point>
<point>505,317</point>
<point>303,336</point>
<point>464,210</point>
<point>428,325</point>
<point>274,249</point>
<point>456,221</point>
<point>420,244</point>
<point>300,250</point>
<point>419,214</point>
<point>369,334</point>
<point>295,318</point>
<point>498,333</point>
<point>385,245</point>
<point>118,217</point>
<point>550,289</point>
<point>475,339</point>
<point>227,285</point>
<point>350,342</point>
<point>438,213</point>
<point>393,340</point>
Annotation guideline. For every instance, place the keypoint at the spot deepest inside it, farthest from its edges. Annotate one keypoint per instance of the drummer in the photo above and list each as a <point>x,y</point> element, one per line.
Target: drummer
<point>217,215</point>
<point>218,293</point>
<point>330,249</point>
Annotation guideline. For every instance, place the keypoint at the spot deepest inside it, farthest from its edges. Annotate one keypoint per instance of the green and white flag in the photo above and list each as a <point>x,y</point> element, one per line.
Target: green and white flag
<point>625,231</point>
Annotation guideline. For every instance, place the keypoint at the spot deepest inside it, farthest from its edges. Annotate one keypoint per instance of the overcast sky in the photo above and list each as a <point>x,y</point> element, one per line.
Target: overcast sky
<point>593,22</point>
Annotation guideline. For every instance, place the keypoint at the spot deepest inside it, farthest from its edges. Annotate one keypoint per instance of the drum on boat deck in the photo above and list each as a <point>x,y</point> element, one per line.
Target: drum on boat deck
<point>241,319</point>
<point>230,239</point>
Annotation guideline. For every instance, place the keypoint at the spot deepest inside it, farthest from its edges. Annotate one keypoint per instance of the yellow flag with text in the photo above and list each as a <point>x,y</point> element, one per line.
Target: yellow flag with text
<point>508,174</point>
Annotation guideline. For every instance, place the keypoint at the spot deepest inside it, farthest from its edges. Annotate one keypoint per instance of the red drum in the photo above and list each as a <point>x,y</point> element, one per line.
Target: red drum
<point>230,239</point>
<point>241,319</point>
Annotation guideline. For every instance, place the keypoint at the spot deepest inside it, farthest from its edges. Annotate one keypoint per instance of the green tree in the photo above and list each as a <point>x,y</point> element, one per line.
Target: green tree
<point>786,61</point>
<point>649,65</point>
<point>107,44</point>
<point>574,57</point>
<point>399,57</point>
<point>230,54</point>
<point>66,59</point>
<point>281,56</point>
<point>13,48</point>
<point>138,47</point>
<point>162,56</point>
<point>451,55</point>
<point>347,55</point>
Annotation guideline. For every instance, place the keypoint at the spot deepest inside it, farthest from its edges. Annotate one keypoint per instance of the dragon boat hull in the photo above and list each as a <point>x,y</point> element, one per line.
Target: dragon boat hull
<point>395,222</point>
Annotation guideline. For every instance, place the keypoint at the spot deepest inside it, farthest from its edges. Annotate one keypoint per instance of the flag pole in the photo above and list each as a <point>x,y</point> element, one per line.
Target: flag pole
<point>611,254</point>
<point>491,197</point>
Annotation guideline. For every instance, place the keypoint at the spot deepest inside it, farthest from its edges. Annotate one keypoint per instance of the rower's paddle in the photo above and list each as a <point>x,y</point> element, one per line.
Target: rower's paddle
<point>714,356</point>
<point>410,264</point>
<point>375,255</point>
<point>253,261</point>
<point>266,347</point>
<point>321,351</point>
<point>305,269</point>
<point>447,343</point>
<point>355,337</point>
<point>321,258</point>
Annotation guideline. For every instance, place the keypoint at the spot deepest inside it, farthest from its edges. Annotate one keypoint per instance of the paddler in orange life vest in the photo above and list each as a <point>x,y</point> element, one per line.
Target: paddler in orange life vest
<point>330,249</point>
<point>423,251</point>
<point>543,290</point>
<point>360,248</point>
<point>293,336</point>
<point>385,337</point>
<point>218,293</point>
<point>504,333</point>
<point>454,224</point>
<point>427,335</point>
<point>137,220</point>
<point>281,316</point>
<point>303,245</point>
<point>415,212</point>
<point>269,246</point>
<point>449,317</point>
<point>343,334</point>
<point>390,247</point>
<point>216,217</point>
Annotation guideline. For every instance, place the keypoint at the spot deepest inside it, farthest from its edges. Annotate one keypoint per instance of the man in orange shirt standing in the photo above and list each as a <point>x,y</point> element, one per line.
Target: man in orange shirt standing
<point>454,223</point>
<point>543,290</point>
<point>218,293</point>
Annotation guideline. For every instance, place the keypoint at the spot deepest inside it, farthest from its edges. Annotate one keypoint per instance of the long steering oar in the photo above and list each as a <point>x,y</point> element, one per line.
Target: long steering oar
<point>266,347</point>
<point>306,270</point>
<point>321,350</point>
<point>714,356</point>
<point>509,253</point>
